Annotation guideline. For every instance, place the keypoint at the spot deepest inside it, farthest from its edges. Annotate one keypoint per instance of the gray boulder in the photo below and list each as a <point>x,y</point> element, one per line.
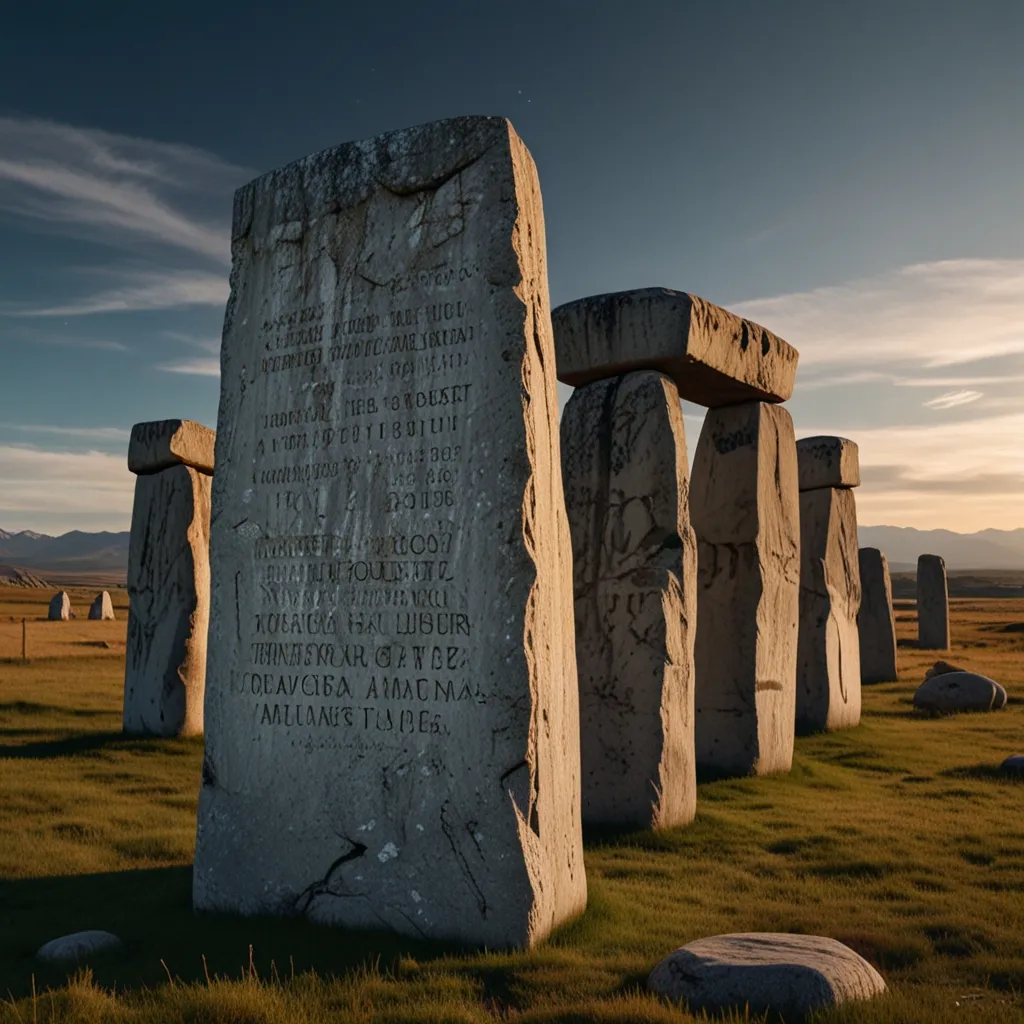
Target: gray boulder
<point>791,975</point>
<point>959,691</point>
<point>78,945</point>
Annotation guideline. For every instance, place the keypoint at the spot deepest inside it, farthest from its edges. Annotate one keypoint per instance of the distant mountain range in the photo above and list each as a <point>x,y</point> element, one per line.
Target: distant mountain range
<point>986,549</point>
<point>108,552</point>
<point>71,552</point>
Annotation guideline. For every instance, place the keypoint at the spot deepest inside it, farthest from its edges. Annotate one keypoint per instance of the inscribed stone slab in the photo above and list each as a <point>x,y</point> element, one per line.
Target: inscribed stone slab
<point>932,603</point>
<point>635,583</point>
<point>828,660</point>
<point>826,461</point>
<point>161,444</point>
<point>169,593</point>
<point>876,622</point>
<point>715,357</point>
<point>745,510</point>
<point>392,722</point>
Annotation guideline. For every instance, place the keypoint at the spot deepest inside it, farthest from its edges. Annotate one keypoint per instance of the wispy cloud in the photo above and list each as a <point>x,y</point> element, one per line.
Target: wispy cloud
<point>140,291</point>
<point>60,491</point>
<point>197,367</point>
<point>951,399</point>
<point>928,315</point>
<point>117,186</point>
<point>86,433</point>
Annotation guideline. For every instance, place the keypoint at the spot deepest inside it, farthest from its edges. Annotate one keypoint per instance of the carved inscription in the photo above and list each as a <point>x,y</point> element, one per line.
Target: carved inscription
<point>361,620</point>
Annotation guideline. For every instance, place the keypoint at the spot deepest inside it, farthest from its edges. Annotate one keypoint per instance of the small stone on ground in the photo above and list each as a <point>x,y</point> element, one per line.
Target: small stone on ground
<point>78,945</point>
<point>792,975</point>
<point>959,691</point>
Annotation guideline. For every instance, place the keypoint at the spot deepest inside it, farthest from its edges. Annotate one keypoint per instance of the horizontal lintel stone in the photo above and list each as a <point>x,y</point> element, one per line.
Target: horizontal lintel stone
<point>825,461</point>
<point>714,357</point>
<point>161,444</point>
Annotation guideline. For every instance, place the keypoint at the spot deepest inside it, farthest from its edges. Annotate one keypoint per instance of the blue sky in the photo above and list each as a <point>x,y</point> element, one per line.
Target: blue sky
<point>847,175</point>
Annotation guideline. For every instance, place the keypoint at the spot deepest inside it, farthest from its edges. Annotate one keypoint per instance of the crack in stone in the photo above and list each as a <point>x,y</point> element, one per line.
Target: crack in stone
<point>323,886</point>
<point>449,831</point>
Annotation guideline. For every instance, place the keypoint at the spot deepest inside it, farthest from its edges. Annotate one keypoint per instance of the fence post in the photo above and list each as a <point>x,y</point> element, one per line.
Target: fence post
<point>24,640</point>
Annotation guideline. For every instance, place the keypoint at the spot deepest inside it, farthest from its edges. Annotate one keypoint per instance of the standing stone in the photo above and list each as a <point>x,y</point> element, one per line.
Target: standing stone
<point>102,607</point>
<point>876,623</point>
<point>932,604</point>
<point>745,508</point>
<point>392,721</point>
<point>168,586</point>
<point>60,607</point>
<point>635,581</point>
<point>828,663</point>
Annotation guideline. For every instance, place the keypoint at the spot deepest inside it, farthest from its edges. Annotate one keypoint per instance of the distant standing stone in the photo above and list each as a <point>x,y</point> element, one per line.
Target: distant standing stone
<point>102,607</point>
<point>78,945</point>
<point>1013,765</point>
<point>959,691</point>
<point>392,730</point>
<point>168,587</point>
<point>745,510</point>
<point>635,581</point>
<point>715,357</point>
<point>791,975</point>
<point>828,662</point>
<point>876,621</point>
<point>932,604</point>
<point>60,607</point>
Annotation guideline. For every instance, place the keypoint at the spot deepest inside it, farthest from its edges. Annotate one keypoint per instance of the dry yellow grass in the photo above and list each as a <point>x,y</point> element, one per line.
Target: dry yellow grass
<point>900,838</point>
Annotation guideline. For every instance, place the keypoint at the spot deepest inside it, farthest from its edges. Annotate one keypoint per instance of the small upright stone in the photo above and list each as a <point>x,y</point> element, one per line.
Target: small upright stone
<point>876,622</point>
<point>828,673</point>
<point>745,510</point>
<point>102,607</point>
<point>828,462</point>
<point>161,444</point>
<point>715,357</point>
<point>60,607</point>
<point>932,604</point>
<point>389,534</point>
<point>635,580</point>
<point>168,579</point>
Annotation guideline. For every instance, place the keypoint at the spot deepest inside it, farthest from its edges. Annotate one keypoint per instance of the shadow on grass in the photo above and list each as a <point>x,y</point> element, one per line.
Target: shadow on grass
<point>81,743</point>
<point>986,772</point>
<point>151,911</point>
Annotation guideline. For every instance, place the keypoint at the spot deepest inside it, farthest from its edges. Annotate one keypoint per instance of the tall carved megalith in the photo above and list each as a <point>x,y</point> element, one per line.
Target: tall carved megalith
<point>932,603</point>
<point>828,672</point>
<point>635,580</point>
<point>392,723</point>
<point>876,622</point>
<point>168,578</point>
<point>745,509</point>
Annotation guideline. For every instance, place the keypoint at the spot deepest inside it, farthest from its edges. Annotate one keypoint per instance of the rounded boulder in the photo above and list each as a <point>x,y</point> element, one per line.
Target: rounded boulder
<point>791,975</point>
<point>959,691</point>
<point>78,945</point>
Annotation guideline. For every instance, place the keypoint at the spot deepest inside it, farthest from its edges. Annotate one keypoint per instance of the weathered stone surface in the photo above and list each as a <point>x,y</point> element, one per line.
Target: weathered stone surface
<point>959,691</point>
<point>635,583</point>
<point>828,659</point>
<point>78,946</point>
<point>826,461</point>
<point>932,603</point>
<point>392,718</point>
<point>715,357</point>
<point>160,444</point>
<point>876,622</point>
<point>60,607</point>
<point>792,975</point>
<point>745,510</point>
<point>1013,765</point>
<point>169,594</point>
<point>102,607</point>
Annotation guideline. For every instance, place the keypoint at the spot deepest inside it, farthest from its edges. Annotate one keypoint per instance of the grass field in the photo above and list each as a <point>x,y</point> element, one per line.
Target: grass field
<point>899,838</point>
